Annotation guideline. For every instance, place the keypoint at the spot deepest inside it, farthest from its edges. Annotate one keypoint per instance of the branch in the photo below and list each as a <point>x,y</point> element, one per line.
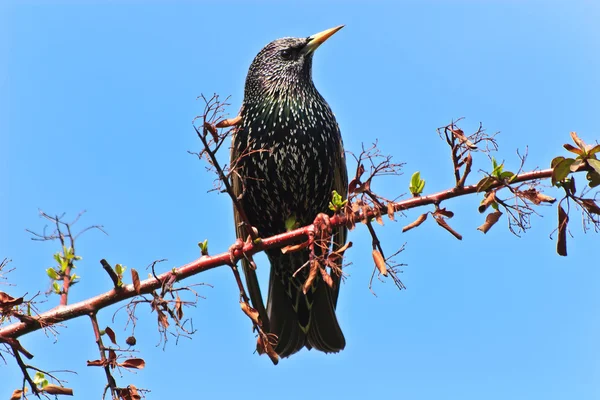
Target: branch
<point>204,263</point>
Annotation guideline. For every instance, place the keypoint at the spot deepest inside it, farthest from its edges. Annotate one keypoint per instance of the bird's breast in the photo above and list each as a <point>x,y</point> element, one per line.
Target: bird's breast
<point>286,162</point>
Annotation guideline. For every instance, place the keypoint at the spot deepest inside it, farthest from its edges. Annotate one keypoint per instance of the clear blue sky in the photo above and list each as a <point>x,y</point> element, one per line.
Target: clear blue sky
<point>96,103</point>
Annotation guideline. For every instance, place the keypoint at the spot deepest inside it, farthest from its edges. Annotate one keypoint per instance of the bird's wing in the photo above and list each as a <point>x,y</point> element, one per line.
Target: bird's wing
<point>250,274</point>
<point>340,185</point>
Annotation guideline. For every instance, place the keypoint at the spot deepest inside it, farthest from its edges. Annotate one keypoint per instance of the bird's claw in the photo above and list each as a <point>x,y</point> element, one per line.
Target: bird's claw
<point>237,246</point>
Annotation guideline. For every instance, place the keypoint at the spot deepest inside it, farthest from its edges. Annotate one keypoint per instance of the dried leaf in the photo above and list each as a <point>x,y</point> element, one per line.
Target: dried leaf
<point>162,319</point>
<point>8,301</point>
<point>489,199</point>
<point>212,129</point>
<point>293,247</point>
<point>379,220</point>
<point>442,222</point>
<point>226,123</point>
<point>135,277</point>
<point>314,268</point>
<point>561,243</point>
<point>444,212</point>
<point>490,220</point>
<point>415,223</point>
<point>390,211</point>
<point>111,335</point>
<point>137,363</point>
<point>379,262</point>
<point>591,206</point>
<point>97,363</point>
<point>179,308</point>
<point>129,393</point>
<point>131,341</point>
<point>55,389</point>
<point>112,357</point>
<point>580,143</point>
<point>251,313</point>
<point>16,395</point>
<point>460,135</point>
<point>326,278</point>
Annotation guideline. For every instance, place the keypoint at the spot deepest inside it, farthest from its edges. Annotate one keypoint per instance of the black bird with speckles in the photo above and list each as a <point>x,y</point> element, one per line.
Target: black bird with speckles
<point>289,157</point>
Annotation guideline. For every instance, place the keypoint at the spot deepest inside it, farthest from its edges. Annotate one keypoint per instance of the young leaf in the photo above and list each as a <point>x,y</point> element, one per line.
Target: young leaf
<point>51,272</point>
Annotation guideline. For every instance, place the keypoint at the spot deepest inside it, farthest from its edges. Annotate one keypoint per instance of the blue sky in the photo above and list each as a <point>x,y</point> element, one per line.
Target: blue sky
<point>96,103</point>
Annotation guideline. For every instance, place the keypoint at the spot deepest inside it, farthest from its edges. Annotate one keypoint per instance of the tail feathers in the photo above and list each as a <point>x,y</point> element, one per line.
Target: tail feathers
<point>283,319</point>
<point>324,333</point>
<point>312,322</point>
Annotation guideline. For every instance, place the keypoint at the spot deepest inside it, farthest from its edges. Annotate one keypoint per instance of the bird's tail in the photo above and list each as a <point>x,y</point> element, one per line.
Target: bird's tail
<point>296,318</point>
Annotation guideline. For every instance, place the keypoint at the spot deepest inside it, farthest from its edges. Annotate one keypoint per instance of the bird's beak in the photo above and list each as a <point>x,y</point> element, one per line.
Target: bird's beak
<point>319,38</point>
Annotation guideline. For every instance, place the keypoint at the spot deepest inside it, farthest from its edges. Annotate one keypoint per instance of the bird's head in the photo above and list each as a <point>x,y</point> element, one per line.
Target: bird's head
<point>284,65</point>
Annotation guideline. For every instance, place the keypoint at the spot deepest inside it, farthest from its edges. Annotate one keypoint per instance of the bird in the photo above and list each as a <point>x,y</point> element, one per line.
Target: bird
<point>288,156</point>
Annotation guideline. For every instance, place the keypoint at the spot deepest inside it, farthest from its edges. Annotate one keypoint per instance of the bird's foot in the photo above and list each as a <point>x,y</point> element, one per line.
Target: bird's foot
<point>236,247</point>
<point>226,123</point>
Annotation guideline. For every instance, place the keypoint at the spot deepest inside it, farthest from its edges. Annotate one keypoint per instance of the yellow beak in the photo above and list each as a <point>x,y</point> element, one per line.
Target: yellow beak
<point>319,38</point>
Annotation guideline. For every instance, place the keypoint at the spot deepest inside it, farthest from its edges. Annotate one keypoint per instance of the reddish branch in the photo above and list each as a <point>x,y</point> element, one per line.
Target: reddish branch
<point>204,263</point>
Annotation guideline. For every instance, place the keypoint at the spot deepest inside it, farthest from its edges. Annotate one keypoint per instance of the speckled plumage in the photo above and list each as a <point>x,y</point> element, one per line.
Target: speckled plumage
<point>293,160</point>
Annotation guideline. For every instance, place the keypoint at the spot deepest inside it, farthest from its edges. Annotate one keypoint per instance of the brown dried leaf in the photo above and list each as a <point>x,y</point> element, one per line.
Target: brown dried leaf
<point>379,220</point>
<point>135,277</point>
<point>112,357</point>
<point>129,393</point>
<point>444,212</point>
<point>416,222</point>
<point>212,129</point>
<point>55,389</point>
<point>326,278</point>
<point>490,220</point>
<point>293,247</point>
<point>162,319</point>
<point>379,262</point>
<point>97,363</point>
<point>111,335</point>
<point>580,143</point>
<point>179,308</point>
<point>131,341</point>
<point>390,211</point>
<point>489,199</point>
<point>441,222</point>
<point>563,221</point>
<point>314,268</point>
<point>591,206</point>
<point>460,135</point>
<point>137,363</point>
<point>364,214</point>
<point>16,395</point>
<point>8,301</point>
<point>251,313</point>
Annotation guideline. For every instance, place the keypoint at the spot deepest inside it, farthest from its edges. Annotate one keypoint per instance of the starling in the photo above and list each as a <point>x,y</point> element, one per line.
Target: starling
<point>289,157</point>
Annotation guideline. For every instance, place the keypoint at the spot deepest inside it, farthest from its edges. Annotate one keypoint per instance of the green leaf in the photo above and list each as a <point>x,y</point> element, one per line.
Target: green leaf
<point>51,272</point>
<point>497,172</point>
<point>562,170</point>
<point>290,223</point>
<point>56,287</point>
<point>58,258</point>
<point>120,269</point>
<point>594,178</point>
<point>337,201</point>
<point>485,183</point>
<point>203,247</point>
<point>74,277</point>
<point>507,175</point>
<point>77,258</point>
<point>40,380</point>
<point>576,164</point>
<point>556,161</point>
<point>592,162</point>
<point>594,150</point>
<point>416,184</point>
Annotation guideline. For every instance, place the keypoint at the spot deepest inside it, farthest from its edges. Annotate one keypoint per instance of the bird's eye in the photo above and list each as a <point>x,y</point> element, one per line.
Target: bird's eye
<point>286,54</point>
